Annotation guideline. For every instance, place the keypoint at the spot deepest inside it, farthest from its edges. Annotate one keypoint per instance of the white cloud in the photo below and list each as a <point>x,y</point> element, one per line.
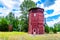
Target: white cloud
<point>51,23</point>
<point>11,4</point>
<point>8,3</point>
<point>55,7</point>
<point>17,14</point>
<point>21,1</point>
<point>35,0</point>
<point>4,12</point>
<point>40,5</point>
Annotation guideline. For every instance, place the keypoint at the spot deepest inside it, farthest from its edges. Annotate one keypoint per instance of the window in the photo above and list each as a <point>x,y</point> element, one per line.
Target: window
<point>34,14</point>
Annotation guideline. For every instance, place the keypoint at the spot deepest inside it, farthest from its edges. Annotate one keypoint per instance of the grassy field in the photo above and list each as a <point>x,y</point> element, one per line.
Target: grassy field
<point>26,36</point>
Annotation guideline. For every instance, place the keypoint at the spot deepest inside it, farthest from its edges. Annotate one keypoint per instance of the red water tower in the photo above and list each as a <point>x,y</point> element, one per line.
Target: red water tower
<point>36,21</point>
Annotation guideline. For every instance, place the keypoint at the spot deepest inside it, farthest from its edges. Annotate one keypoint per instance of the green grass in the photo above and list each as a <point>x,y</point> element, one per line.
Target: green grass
<point>26,36</point>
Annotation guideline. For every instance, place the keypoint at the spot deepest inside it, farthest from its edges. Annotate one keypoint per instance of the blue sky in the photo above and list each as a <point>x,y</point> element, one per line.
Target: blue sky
<point>51,9</point>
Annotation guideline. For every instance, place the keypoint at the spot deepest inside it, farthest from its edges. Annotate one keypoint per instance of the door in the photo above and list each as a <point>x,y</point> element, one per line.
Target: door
<point>34,31</point>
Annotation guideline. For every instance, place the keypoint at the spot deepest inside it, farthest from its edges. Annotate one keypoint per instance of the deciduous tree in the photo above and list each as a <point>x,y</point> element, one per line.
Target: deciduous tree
<point>24,7</point>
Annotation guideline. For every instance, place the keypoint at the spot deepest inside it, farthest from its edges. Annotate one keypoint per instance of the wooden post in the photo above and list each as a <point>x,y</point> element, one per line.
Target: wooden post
<point>10,28</point>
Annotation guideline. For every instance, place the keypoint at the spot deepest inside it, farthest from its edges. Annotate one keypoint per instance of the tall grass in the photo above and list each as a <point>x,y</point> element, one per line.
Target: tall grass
<point>26,36</point>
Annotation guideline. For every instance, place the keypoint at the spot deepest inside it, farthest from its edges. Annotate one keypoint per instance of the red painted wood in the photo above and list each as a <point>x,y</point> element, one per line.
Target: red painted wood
<point>36,21</point>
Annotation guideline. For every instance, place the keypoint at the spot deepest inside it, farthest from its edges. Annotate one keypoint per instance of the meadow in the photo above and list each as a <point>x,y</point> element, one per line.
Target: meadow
<point>26,36</point>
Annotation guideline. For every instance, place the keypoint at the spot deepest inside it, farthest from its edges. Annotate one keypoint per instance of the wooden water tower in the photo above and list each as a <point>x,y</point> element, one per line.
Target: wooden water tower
<point>36,21</point>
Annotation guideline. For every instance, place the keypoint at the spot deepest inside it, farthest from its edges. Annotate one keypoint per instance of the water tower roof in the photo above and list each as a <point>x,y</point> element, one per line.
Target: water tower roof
<point>37,9</point>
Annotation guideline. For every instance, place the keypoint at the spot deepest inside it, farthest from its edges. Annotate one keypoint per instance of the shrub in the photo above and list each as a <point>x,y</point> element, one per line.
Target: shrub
<point>47,28</point>
<point>55,29</point>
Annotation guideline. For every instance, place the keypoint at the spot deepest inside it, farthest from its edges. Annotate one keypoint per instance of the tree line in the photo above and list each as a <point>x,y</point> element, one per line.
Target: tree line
<point>17,24</point>
<point>54,29</point>
<point>21,23</point>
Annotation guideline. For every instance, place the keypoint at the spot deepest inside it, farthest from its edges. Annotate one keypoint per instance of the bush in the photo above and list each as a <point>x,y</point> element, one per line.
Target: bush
<point>51,28</point>
<point>47,28</point>
<point>3,25</point>
<point>55,30</point>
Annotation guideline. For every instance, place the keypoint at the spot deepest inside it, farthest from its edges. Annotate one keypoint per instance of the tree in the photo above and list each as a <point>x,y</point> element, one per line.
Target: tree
<point>10,17</point>
<point>9,23</point>
<point>58,27</point>
<point>51,29</point>
<point>13,21</point>
<point>15,25</point>
<point>47,29</point>
<point>24,7</point>
<point>55,28</point>
<point>3,24</point>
